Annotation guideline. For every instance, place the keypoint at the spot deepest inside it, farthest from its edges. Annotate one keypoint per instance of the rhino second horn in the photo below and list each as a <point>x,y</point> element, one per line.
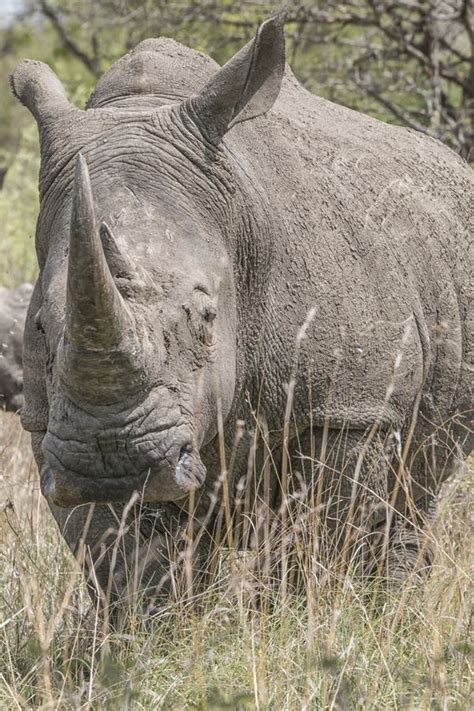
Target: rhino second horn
<point>100,354</point>
<point>120,264</point>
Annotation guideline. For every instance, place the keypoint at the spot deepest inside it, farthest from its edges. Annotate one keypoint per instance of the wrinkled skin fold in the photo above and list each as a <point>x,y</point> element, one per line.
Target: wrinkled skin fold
<point>207,236</point>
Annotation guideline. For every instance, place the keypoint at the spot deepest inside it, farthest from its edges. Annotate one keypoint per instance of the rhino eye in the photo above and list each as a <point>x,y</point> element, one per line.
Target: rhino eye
<point>38,322</point>
<point>207,312</point>
<point>204,305</point>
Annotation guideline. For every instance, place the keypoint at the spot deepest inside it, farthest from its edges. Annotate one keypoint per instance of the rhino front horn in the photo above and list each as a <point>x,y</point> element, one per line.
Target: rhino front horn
<point>100,359</point>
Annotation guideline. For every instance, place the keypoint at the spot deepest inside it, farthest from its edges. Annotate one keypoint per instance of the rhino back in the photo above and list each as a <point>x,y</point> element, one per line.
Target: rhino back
<point>373,228</point>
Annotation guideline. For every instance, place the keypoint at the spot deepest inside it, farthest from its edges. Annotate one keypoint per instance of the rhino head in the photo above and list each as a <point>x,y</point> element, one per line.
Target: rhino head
<point>131,345</point>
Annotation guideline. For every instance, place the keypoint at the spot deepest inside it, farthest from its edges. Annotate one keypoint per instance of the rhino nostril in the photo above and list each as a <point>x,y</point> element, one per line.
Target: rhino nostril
<point>185,449</point>
<point>190,472</point>
<point>47,482</point>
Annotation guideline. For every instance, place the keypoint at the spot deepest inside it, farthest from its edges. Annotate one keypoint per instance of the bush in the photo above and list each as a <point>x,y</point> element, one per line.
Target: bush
<point>18,212</point>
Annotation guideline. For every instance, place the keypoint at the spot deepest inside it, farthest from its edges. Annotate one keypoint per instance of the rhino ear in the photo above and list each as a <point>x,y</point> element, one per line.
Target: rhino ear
<point>39,89</point>
<point>245,87</point>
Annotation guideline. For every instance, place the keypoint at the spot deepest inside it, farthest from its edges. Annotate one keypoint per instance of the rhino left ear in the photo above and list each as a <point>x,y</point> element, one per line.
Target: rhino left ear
<point>39,89</point>
<point>245,87</point>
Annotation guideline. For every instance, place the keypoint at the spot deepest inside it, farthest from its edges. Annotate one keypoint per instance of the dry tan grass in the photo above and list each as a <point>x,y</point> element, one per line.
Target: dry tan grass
<point>410,649</point>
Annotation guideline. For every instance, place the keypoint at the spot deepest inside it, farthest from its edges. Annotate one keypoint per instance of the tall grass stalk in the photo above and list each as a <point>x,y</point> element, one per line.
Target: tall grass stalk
<point>245,642</point>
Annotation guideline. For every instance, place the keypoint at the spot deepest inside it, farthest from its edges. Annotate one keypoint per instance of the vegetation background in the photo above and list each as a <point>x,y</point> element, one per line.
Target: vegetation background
<point>409,62</point>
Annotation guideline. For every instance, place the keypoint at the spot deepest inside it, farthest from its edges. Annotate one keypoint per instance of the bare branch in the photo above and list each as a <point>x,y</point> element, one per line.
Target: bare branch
<point>90,63</point>
<point>410,59</point>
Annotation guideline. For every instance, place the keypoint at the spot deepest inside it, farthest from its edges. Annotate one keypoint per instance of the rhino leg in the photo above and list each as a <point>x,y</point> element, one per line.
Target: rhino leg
<point>407,546</point>
<point>351,484</point>
<point>351,480</point>
<point>133,554</point>
<point>337,494</point>
<point>404,549</point>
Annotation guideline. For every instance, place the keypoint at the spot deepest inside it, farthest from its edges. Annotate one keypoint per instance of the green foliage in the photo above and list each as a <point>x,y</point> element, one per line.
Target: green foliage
<point>19,150</point>
<point>18,210</point>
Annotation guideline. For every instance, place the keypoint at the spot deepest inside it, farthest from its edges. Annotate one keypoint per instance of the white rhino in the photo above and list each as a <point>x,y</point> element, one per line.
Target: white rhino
<point>192,219</point>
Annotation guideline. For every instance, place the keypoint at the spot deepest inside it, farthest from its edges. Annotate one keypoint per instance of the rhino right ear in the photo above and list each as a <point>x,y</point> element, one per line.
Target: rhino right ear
<point>245,87</point>
<point>39,89</point>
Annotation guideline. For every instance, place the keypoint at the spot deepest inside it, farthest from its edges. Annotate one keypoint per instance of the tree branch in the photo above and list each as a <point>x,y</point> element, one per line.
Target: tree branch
<point>91,63</point>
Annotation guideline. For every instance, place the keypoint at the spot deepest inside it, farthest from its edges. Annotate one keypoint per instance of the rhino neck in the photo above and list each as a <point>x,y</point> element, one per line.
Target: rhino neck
<point>141,103</point>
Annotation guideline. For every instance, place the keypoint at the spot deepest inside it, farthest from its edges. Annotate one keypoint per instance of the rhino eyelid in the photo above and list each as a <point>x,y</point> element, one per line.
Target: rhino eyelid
<point>203,289</point>
<point>38,322</point>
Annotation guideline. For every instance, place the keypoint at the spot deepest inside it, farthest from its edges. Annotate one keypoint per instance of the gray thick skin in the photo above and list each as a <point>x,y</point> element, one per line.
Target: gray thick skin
<point>13,307</point>
<point>309,209</point>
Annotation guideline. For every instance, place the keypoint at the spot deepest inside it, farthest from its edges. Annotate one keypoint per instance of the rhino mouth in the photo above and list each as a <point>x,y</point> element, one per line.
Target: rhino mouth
<point>167,482</point>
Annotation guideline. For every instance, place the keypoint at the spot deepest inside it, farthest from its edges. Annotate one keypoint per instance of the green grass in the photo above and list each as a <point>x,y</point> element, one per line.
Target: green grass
<point>338,649</point>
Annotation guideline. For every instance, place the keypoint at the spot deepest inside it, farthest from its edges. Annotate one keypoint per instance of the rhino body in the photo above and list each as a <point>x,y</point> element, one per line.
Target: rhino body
<point>13,306</point>
<point>223,234</point>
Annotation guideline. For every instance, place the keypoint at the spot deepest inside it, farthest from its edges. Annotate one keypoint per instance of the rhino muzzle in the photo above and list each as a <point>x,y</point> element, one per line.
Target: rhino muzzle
<point>168,482</point>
